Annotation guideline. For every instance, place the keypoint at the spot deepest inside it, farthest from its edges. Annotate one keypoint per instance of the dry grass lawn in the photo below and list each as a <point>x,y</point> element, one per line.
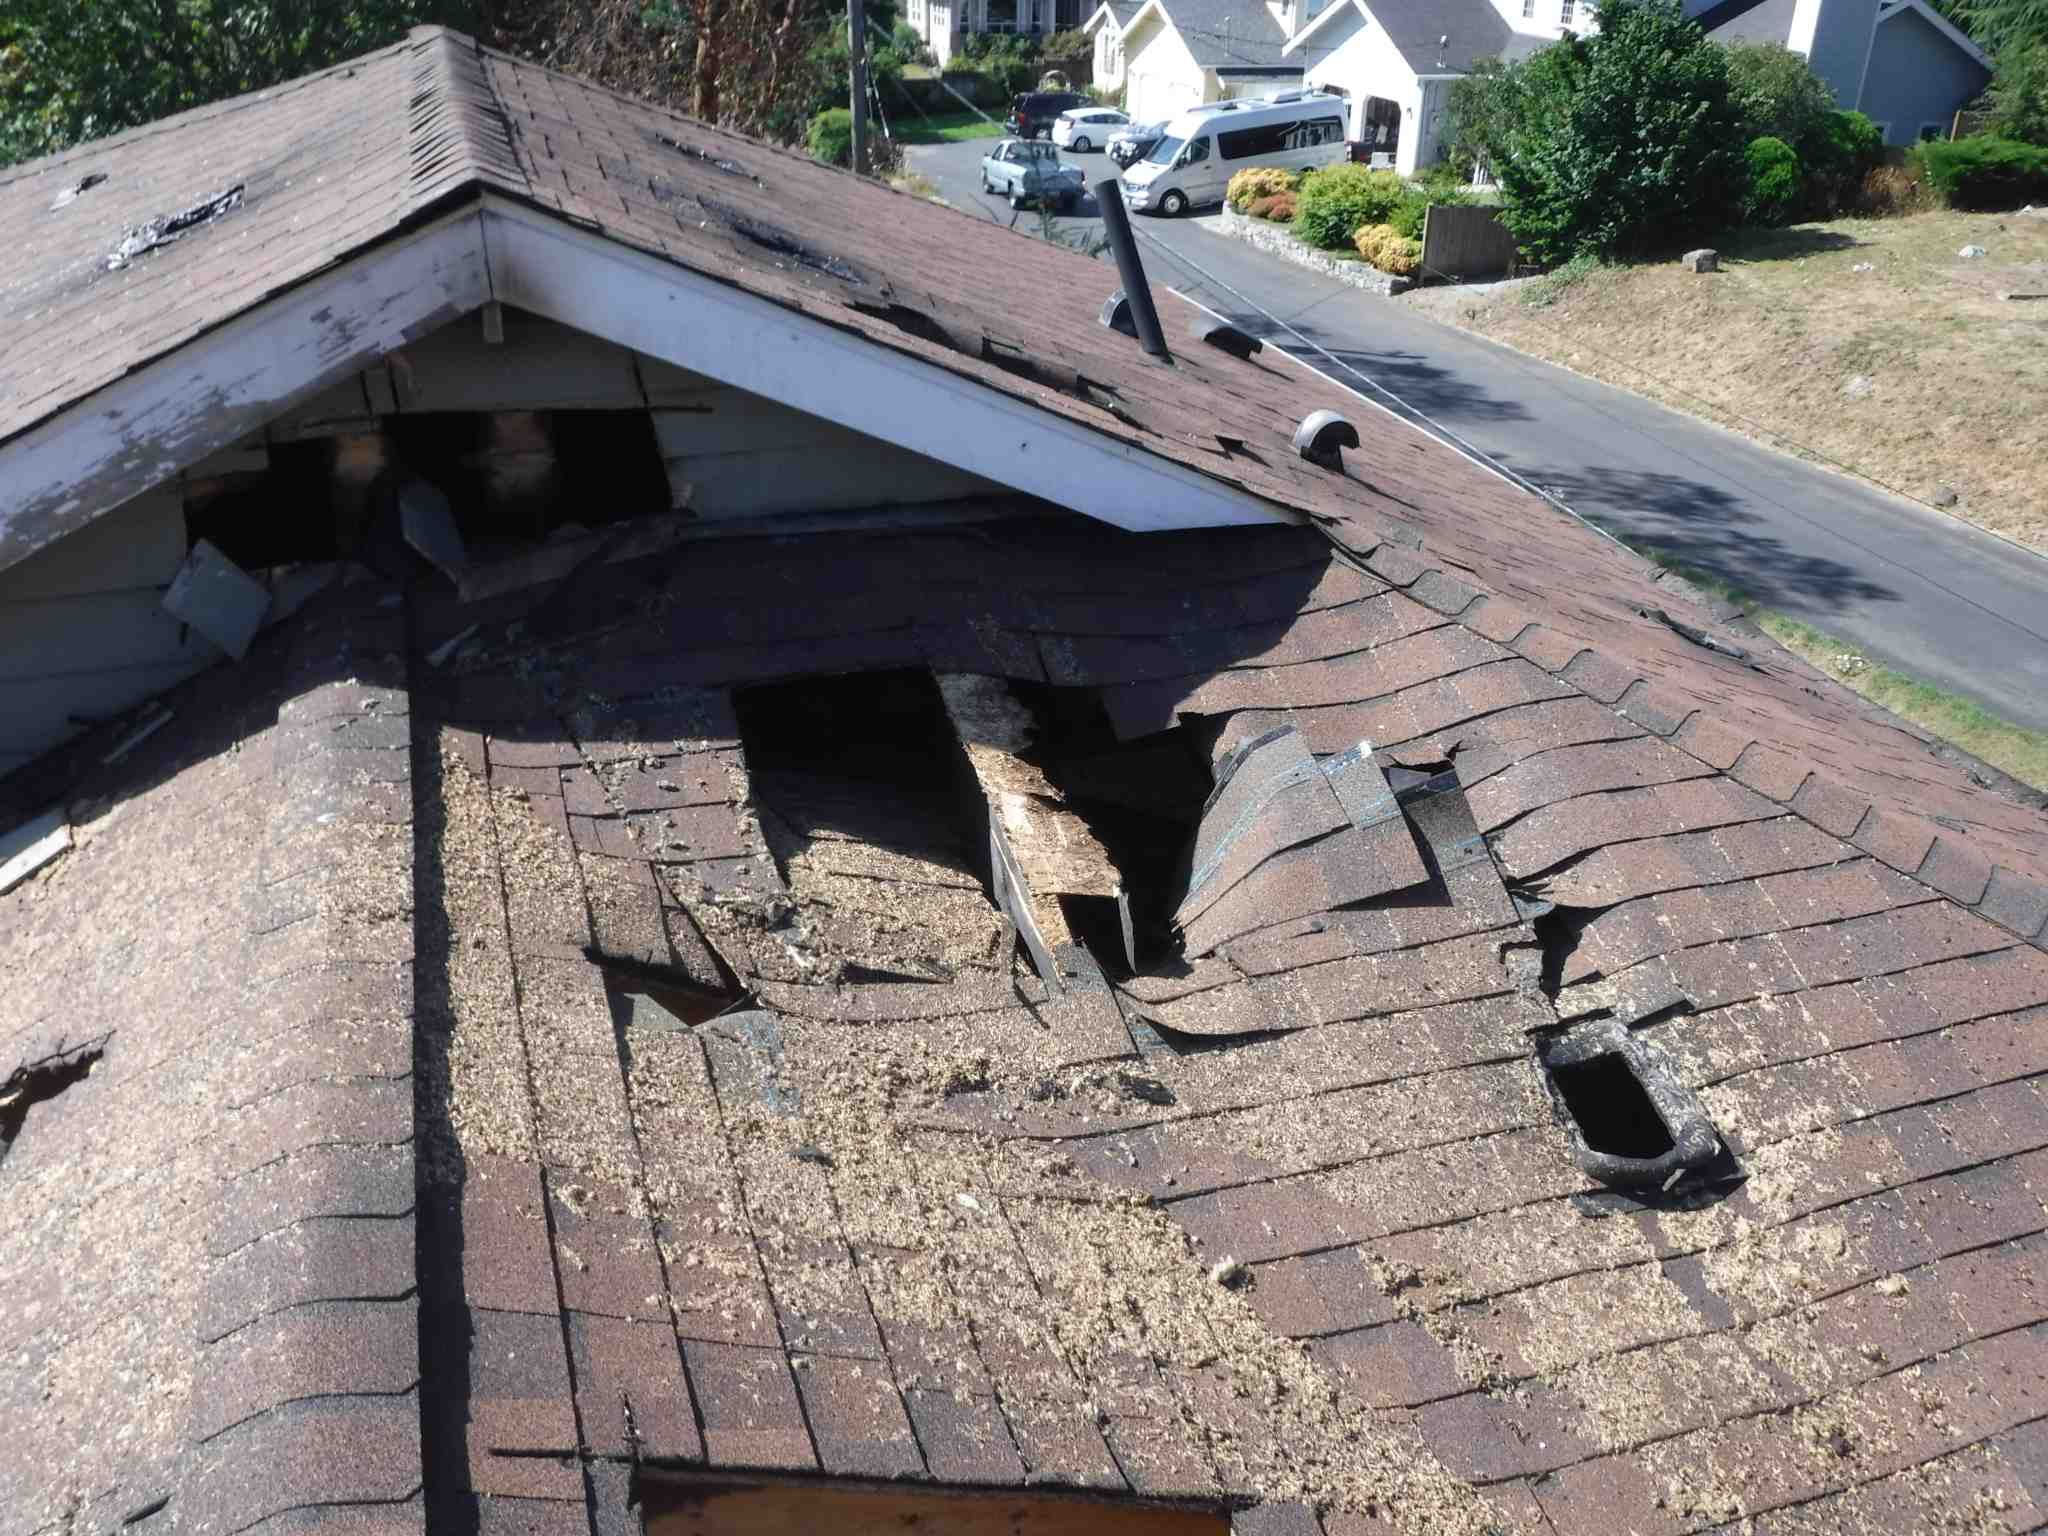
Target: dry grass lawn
<point>1916,373</point>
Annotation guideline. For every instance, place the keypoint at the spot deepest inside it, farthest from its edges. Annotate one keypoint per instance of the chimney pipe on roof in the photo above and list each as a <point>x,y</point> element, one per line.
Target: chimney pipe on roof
<point>1116,223</point>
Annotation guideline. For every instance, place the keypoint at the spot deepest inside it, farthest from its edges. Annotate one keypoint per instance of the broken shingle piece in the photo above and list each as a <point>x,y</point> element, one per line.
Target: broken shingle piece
<point>219,599</point>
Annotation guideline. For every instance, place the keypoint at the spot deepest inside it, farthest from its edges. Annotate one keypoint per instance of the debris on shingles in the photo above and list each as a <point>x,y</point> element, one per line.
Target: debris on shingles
<point>76,190</point>
<point>1697,636</point>
<point>1052,1269</point>
<point>30,846</point>
<point>162,231</point>
<point>857,786</point>
<point>1228,1272</point>
<point>705,157</point>
<point>219,599</point>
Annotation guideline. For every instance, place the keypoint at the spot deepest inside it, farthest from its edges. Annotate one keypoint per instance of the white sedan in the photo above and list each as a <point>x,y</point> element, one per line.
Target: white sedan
<point>1086,128</point>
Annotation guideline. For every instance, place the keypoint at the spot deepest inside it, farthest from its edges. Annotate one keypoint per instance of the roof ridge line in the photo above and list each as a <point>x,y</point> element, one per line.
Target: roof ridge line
<point>1944,860</point>
<point>459,133</point>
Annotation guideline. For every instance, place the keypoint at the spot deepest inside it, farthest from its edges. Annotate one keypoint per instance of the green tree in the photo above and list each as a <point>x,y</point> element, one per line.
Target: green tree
<point>1623,141</point>
<point>79,69</point>
<point>1997,25</point>
<point>1775,93</point>
<point>1473,112</point>
<point>2019,94</point>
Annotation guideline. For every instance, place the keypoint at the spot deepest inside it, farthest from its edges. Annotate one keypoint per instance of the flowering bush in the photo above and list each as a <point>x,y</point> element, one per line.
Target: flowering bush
<point>1388,249</point>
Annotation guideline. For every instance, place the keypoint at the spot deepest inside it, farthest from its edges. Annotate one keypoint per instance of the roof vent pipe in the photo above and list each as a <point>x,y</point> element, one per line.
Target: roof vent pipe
<point>1116,223</point>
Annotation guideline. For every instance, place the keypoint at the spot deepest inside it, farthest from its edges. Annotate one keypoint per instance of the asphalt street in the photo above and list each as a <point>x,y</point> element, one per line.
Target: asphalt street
<point>1902,583</point>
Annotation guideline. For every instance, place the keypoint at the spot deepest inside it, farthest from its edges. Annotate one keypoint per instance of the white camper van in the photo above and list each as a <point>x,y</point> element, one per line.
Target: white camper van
<point>1204,148</point>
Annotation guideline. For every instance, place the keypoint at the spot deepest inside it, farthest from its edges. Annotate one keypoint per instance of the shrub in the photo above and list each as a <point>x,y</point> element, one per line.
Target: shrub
<point>1337,201</point>
<point>830,137</point>
<point>1388,249</point>
<point>1445,183</point>
<point>1983,172</point>
<point>1277,206</point>
<point>1775,94</point>
<point>1839,151</point>
<point>1625,140</point>
<point>1409,213</point>
<point>1254,182</point>
<point>1775,183</point>
<point>1891,190</point>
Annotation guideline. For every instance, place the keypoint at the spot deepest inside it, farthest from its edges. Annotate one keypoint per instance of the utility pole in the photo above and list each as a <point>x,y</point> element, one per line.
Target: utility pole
<point>857,68</point>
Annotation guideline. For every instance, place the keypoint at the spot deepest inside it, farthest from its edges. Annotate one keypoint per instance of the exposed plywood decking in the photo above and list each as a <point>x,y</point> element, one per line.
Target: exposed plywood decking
<point>773,1508</point>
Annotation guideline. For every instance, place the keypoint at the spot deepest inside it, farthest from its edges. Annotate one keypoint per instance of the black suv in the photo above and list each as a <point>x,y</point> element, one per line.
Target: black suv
<point>1032,113</point>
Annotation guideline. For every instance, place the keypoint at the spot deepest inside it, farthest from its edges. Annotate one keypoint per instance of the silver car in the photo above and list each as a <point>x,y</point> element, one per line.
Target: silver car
<point>1026,171</point>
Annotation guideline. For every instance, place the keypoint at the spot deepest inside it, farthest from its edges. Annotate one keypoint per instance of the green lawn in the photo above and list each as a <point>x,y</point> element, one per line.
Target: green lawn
<point>941,128</point>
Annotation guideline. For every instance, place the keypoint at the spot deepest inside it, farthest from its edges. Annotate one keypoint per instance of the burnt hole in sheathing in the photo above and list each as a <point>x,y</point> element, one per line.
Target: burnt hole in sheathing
<point>170,227</point>
<point>1634,1125</point>
<point>686,1000</point>
<point>28,1088</point>
<point>779,241</point>
<point>1612,1109</point>
<point>704,157</point>
<point>1558,930</point>
<point>963,334</point>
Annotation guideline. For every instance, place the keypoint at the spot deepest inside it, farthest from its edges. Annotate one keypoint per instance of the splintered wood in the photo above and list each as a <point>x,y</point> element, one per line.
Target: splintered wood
<point>1054,851</point>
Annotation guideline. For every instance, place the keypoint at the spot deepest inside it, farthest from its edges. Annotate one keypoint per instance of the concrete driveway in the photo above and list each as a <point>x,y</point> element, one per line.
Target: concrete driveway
<point>1903,584</point>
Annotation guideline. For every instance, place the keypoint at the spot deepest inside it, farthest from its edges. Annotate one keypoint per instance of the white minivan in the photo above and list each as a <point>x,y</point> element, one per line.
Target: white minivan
<point>1204,148</point>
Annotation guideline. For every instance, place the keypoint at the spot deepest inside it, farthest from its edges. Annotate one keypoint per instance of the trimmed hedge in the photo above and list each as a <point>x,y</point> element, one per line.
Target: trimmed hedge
<point>1983,172</point>
<point>1255,182</point>
<point>1776,187</point>
<point>1339,200</point>
<point>1388,249</point>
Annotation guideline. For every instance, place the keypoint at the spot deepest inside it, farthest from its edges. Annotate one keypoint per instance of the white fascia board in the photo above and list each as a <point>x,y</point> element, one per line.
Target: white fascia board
<point>1149,8</point>
<point>583,279</point>
<point>1309,31</point>
<point>218,388</point>
<point>1100,14</point>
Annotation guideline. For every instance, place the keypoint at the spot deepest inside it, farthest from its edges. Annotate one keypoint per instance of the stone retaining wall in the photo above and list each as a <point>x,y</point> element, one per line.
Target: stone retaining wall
<point>1282,242</point>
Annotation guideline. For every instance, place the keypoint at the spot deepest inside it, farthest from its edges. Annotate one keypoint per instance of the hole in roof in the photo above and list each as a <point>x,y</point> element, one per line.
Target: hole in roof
<point>871,814</point>
<point>1141,799</point>
<point>677,1504</point>
<point>1611,1107</point>
<point>27,1089</point>
<point>1558,931</point>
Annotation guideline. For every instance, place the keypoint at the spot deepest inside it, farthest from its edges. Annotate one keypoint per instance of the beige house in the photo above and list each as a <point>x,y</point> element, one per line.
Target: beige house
<point>1106,27</point>
<point>1187,53</point>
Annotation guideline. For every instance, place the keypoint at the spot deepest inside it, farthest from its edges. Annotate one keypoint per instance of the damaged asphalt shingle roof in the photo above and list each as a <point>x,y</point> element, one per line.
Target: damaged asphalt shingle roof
<point>963,1229</point>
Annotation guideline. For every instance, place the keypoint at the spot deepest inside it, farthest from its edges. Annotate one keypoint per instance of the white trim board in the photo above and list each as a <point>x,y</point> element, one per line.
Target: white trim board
<point>215,390</point>
<point>579,278</point>
<point>235,380</point>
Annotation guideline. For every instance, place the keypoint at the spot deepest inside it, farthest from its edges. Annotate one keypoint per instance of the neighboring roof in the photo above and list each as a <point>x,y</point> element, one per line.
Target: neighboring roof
<point>1435,37</point>
<point>1118,11</point>
<point>923,1210</point>
<point>1222,34</point>
<point>1940,23</point>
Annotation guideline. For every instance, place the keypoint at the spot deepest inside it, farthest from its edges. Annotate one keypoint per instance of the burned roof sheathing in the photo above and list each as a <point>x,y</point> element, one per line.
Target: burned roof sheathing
<point>420,1183</point>
<point>1295,1223</point>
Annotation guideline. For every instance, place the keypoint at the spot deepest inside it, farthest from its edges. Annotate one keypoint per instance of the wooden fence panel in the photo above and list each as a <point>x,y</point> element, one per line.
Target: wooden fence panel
<point>1465,242</point>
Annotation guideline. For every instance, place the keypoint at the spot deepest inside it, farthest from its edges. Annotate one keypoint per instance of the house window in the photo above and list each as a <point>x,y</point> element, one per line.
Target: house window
<point>1566,12</point>
<point>1528,10</point>
<point>1931,133</point>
